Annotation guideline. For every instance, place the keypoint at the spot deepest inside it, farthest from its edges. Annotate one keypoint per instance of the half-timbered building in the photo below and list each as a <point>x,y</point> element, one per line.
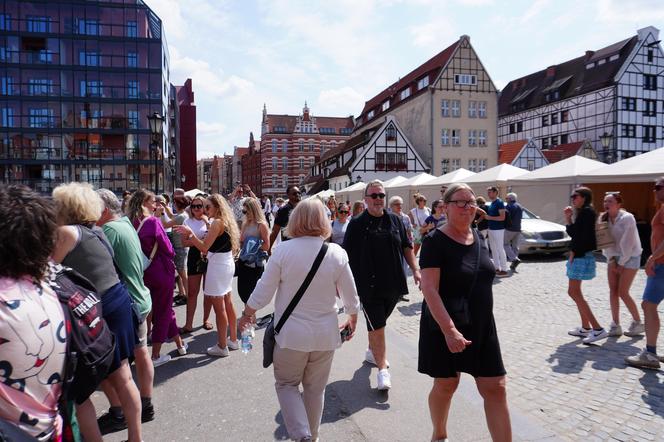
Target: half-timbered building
<point>522,153</point>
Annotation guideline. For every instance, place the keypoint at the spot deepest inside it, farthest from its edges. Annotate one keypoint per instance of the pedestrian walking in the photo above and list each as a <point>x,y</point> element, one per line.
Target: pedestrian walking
<point>457,272</point>
<point>419,215</point>
<point>376,242</point>
<point>580,219</point>
<point>358,208</point>
<point>305,345</point>
<point>653,294</point>
<point>396,205</point>
<point>481,223</point>
<point>512,239</point>
<point>437,217</point>
<point>254,244</point>
<point>281,220</point>
<point>331,205</point>
<point>496,217</point>
<point>624,260</point>
<point>179,217</point>
<point>266,205</point>
<point>340,224</point>
<point>220,244</point>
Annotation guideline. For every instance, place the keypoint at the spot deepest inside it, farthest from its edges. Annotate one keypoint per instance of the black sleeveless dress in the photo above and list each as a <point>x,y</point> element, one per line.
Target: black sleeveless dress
<point>457,264</point>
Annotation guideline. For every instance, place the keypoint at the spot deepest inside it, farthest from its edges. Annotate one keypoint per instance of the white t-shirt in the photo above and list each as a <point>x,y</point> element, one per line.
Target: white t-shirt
<point>197,226</point>
<point>420,215</point>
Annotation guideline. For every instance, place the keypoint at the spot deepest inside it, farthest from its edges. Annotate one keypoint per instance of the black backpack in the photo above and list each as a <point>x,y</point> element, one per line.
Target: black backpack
<point>90,342</point>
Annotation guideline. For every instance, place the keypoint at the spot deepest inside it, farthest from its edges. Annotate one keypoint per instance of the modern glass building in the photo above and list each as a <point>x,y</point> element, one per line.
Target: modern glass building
<point>78,80</point>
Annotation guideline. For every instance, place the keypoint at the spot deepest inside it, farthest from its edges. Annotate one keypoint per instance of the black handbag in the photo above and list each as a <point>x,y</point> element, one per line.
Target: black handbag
<point>271,331</point>
<point>458,307</point>
<point>201,264</point>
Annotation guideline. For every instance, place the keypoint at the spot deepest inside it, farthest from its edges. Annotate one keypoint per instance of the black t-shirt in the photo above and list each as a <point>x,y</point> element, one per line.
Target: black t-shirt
<point>221,244</point>
<point>375,253</point>
<point>582,232</point>
<point>281,219</point>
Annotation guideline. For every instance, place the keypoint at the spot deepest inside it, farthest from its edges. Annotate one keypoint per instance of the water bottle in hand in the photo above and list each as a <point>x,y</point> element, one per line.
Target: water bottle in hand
<point>247,338</point>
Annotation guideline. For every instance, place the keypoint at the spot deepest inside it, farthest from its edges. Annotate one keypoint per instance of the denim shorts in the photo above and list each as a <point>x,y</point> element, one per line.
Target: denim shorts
<point>582,268</point>
<point>654,291</point>
<point>632,263</point>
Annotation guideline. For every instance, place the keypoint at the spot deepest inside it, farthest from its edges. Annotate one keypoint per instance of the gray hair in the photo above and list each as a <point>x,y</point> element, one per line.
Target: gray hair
<point>110,200</point>
<point>374,183</point>
<point>511,197</point>
<point>454,188</point>
<point>395,199</point>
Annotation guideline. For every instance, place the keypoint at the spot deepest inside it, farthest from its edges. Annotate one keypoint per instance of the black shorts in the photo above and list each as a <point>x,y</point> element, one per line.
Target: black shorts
<point>192,259</point>
<point>377,308</point>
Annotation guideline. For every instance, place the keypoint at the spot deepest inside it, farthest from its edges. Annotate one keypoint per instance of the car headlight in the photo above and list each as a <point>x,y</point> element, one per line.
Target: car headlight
<point>530,235</point>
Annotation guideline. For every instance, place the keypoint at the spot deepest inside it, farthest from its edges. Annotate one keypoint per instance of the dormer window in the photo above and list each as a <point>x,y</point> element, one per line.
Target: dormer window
<point>386,105</point>
<point>405,93</point>
<point>370,115</point>
<point>422,83</point>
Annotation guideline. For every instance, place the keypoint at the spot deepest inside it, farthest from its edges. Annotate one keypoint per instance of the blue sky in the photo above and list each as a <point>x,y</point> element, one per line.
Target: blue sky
<point>338,54</point>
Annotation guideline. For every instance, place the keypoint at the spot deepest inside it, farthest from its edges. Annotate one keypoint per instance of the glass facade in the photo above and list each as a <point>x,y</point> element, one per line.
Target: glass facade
<point>78,80</point>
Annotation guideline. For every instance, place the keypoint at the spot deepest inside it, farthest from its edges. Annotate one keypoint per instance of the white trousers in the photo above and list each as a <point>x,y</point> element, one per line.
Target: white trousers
<point>498,256</point>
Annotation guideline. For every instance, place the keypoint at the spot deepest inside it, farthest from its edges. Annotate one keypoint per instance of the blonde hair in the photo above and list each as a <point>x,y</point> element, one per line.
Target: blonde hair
<point>309,219</point>
<point>134,208</point>
<point>77,203</point>
<point>225,214</point>
<point>254,209</point>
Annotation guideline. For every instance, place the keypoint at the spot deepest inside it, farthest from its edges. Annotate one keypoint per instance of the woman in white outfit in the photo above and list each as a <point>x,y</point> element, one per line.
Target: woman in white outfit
<point>221,243</point>
<point>624,259</point>
<point>418,215</point>
<point>305,346</point>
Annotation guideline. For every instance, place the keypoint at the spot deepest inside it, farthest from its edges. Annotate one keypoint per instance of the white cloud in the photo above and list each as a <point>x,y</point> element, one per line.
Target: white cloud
<point>534,10</point>
<point>475,2</point>
<point>638,13</point>
<point>340,102</point>
<point>438,33</point>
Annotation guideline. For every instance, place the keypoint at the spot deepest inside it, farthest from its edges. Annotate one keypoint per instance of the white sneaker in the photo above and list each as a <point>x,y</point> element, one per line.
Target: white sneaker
<point>579,332</point>
<point>369,357</point>
<point>645,359</point>
<point>217,351</point>
<point>636,328</point>
<point>384,380</point>
<point>595,335</point>
<point>615,330</point>
<point>183,350</point>
<point>233,345</point>
<point>161,360</point>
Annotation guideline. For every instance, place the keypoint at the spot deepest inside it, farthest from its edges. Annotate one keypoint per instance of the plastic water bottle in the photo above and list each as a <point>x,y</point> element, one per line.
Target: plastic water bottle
<point>247,338</point>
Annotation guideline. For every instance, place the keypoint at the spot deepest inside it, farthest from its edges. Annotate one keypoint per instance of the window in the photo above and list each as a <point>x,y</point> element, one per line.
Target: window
<point>519,126</point>
<point>472,109</point>
<point>445,165</point>
<point>386,105</point>
<point>391,133</point>
<point>284,180</point>
<point>284,163</point>
<point>274,146</point>
<point>300,146</point>
<point>545,143</point>
<point>275,164</point>
<point>649,82</point>
<point>132,60</point>
<point>5,22</point>
<point>7,85</point>
<point>88,58</point>
<point>422,83</point>
<point>132,89</point>
<point>649,108</point>
<point>465,79</point>
<point>512,128</point>
<point>564,116</point>
<point>456,164</point>
<point>391,161</point>
<point>554,141</point>
<point>284,146</point>
<point>456,108</point>
<point>132,29</point>
<point>90,88</point>
<point>132,119</point>
<point>40,86</point>
<point>327,131</point>
<point>38,24</point>
<point>445,137</point>
<point>651,55</point>
<point>346,130</point>
<point>301,163</point>
<point>629,130</point>
<point>472,137</point>
<point>370,115</point>
<point>88,27</point>
<point>554,118</point>
<point>445,108</point>
<point>564,139</point>
<point>7,117</point>
<point>482,138</point>
<point>628,104</point>
<point>41,117</point>
<point>405,93</point>
<point>472,165</point>
<point>456,135</point>
<point>481,110</point>
<point>649,134</point>
<point>311,146</point>
<point>545,120</point>
<point>481,164</point>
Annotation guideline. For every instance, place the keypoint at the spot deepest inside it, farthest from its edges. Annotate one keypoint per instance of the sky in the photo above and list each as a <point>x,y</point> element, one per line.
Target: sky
<point>337,54</point>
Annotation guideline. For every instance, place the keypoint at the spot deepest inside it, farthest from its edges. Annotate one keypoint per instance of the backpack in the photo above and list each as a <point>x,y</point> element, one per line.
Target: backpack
<point>90,342</point>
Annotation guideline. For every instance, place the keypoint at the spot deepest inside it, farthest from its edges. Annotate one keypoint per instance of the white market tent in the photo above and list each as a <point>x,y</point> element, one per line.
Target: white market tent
<point>646,167</point>
<point>431,189</point>
<point>193,192</point>
<point>394,181</point>
<point>546,191</point>
<point>323,194</point>
<point>346,193</point>
<point>407,188</point>
<point>499,174</point>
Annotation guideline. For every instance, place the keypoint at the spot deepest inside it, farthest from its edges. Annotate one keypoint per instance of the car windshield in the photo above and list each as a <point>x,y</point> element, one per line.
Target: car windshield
<point>527,214</point>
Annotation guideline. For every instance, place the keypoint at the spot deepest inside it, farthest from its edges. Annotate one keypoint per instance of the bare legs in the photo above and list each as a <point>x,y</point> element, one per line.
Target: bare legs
<point>224,313</point>
<point>144,372</point>
<point>193,288</point>
<point>182,282</point>
<point>587,317</point>
<point>652,322</point>
<point>619,285</point>
<point>377,347</point>
<point>494,393</point>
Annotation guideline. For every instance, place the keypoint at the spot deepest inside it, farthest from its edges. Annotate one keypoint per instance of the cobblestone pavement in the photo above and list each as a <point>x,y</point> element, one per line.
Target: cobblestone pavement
<point>576,391</point>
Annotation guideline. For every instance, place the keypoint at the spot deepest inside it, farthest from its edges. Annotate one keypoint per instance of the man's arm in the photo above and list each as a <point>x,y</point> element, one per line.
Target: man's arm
<point>273,236</point>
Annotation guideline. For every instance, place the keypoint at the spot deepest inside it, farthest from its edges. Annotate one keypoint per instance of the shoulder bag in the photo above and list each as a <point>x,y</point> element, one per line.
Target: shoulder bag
<point>271,331</point>
<point>147,261</point>
<point>603,235</point>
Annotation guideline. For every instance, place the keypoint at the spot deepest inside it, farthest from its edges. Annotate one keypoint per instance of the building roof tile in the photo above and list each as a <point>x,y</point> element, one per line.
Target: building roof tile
<point>507,152</point>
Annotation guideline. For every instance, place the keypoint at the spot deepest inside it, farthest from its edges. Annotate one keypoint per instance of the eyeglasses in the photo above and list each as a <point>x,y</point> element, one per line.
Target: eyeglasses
<point>373,196</point>
<point>197,206</point>
<point>574,195</point>
<point>659,187</point>
<point>463,204</point>
<point>342,212</point>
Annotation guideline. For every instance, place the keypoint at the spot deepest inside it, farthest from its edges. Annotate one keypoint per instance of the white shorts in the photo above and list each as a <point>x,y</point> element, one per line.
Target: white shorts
<point>219,275</point>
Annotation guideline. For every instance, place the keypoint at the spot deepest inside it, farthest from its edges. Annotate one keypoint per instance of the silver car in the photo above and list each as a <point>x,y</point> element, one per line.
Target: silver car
<point>541,236</point>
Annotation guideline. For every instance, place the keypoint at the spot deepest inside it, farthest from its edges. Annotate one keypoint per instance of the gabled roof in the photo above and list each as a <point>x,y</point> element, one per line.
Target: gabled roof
<point>569,78</point>
<point>562,151</point>
<point>507,152</point>
<point>290,121</point>
<point>429,68</point>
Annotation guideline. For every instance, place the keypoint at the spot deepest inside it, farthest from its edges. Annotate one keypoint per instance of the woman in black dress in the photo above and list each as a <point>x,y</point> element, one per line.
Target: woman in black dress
<point>455,263</point>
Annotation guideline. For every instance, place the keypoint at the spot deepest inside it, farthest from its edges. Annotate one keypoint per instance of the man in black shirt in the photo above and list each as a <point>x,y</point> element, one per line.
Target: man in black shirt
<point>281,220</point>
<point>376,242</point>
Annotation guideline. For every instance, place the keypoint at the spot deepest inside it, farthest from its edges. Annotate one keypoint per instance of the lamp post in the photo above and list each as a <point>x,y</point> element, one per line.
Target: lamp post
<point>606,140</point>
<point>358,179</point>
<point>156,124</point>
<point>172,163</point>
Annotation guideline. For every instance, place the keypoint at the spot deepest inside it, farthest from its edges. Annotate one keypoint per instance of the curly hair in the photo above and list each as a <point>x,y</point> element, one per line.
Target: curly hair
<point>134,209</point>
<point>77,203</point>
<point>27,232</point>
<point>225,214</point>
<point>253,208</point>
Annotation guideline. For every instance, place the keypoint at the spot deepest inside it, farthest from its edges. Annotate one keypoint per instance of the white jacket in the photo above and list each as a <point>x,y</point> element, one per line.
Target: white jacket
<point>626,237</point>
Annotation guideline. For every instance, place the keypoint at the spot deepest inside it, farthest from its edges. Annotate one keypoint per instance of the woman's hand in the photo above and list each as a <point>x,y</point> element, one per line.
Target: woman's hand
<point>246,321</point>
<point>568,211</point>
<point>455,341</point>
<point>350,323</point>
<point>183,230</point>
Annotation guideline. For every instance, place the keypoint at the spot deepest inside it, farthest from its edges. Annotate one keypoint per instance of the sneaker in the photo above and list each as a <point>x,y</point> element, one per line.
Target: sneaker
<point>645,359</point>
<point>147,413</point>
<point>183,350</point>
<point>595,335</point>
<point>636,328</point>
<point>502,274</point>
<point>615,330</point>
<point>217,351</point>
<point>369,357</point>
<point>579,332</point>
<point>515,264</point>
<point>384,381</point>
<point>233,345</point>
<point>108,423</point>
<point>161,360</point>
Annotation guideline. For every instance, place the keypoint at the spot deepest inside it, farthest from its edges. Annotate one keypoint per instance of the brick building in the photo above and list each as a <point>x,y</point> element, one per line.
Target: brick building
<point>186,126</point>
<point>251,166</point>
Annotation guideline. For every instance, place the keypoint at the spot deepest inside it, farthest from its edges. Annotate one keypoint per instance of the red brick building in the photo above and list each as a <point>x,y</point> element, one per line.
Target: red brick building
<point>187,135</point>
<point>251,166</point>
<point>290,145</point>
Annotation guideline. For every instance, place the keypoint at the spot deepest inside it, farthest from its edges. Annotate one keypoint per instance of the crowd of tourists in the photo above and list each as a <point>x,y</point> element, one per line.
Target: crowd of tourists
<point>306,257</point>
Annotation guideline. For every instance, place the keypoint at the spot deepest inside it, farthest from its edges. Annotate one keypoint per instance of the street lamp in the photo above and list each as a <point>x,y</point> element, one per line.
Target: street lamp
<point>606,139</point>
<point>172,162</point>
<point>156,124</point>
<point>358,179</point>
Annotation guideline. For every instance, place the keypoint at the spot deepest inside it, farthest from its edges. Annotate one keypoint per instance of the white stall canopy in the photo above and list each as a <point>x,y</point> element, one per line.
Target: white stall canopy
<point>497,174</point>
<point>641,168</point>
<point>566,171</point>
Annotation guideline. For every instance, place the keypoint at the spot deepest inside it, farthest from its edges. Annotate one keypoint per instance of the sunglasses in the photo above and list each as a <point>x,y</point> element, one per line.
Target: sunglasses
<point>197,206</point>
<point>344,212</point>
<point>373,196</point>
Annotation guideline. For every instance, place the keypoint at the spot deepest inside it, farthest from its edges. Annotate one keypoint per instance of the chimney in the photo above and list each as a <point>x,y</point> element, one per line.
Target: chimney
<point>550,71</point>
<point>589,54</point>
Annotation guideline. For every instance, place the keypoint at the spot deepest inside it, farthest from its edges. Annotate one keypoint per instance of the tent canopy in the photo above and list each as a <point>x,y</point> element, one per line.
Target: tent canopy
<point>193,192</point>
<point>641,168</point>
<point>452,177</point>
<point>353,187</point>
<point>500,173</point>
<point>414,181</point>
<point>567,170</point>
<point>394,181</point>
<point>323,194</point>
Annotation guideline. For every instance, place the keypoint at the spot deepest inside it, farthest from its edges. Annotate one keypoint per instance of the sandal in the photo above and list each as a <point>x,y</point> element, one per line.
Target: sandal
<point>185,331</point>
<point>207,325</point>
